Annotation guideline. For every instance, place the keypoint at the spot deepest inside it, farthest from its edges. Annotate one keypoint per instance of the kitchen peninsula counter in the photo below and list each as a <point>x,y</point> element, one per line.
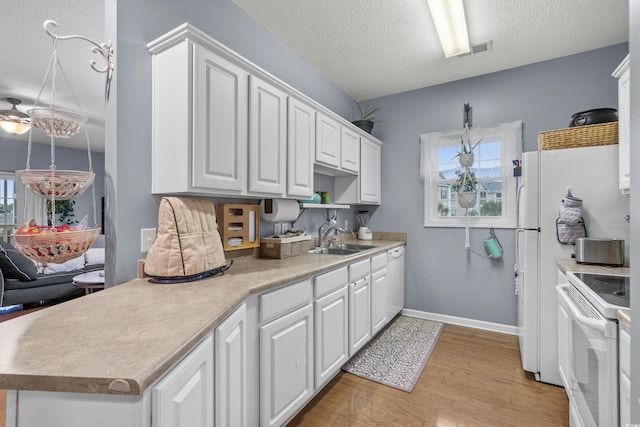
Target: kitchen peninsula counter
<point>122,339</point>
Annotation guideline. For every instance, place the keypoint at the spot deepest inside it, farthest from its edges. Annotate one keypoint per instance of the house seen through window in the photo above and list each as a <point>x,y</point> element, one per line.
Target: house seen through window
<point>496,148</point>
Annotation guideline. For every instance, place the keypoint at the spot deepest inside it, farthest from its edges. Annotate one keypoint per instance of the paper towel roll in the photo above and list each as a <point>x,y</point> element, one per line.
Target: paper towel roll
<point>279,210</point>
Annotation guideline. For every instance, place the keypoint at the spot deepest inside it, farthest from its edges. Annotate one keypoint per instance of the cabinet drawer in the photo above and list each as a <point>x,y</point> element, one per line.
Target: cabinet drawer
<point>625,352</point>
<point>359,269</point>
<point>378,261</point>
<point>328,282</point>
<point>276,303</point>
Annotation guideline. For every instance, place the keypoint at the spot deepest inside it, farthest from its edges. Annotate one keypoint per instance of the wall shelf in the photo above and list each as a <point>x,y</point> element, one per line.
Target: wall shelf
<point>323,206</point>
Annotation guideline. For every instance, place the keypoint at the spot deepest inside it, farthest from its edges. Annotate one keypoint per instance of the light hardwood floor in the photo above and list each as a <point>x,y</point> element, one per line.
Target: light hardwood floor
<point>473,378</point>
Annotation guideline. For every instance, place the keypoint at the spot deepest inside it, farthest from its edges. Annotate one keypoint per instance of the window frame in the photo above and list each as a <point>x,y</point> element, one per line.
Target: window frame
<point>7,229</point>
<point>510,136</point>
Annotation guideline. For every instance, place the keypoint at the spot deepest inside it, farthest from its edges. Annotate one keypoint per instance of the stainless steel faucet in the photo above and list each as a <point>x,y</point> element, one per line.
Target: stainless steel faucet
<point>333,220</point>
<point>326,233</point>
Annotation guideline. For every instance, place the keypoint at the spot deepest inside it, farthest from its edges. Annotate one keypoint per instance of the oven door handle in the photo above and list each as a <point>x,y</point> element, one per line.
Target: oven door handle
<point>597,324</point>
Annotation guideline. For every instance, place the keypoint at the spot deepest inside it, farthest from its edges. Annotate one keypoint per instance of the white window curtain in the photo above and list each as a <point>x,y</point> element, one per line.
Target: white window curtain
<point>432,167</point>
<point>36,205</point>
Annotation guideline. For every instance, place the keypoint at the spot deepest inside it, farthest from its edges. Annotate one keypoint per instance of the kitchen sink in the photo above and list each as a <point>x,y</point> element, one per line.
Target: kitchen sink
<point>342,249</point>
<point>352,247</point>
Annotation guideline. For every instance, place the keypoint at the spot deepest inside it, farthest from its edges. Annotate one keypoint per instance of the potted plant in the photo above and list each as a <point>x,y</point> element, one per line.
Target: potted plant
<point>465,153</point>
<point>367,118</point>
<point>64,211</point>
<point>466,185</point>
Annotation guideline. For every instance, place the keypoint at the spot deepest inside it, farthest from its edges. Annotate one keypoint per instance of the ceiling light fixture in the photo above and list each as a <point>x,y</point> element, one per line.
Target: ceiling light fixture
<point>448,15</point>
<point>14,121</point>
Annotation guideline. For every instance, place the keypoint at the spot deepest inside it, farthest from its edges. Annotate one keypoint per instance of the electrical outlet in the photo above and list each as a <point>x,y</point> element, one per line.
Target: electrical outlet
<point>147,236</point>
<point>277,229</point>
<point>346,224</point>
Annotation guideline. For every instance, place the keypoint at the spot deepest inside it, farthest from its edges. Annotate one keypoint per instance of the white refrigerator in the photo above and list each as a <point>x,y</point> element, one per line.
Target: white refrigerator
<point>592,175</point>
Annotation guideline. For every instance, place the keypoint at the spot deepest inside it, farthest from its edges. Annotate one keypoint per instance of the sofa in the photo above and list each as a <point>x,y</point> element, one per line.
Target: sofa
<point>24,281</point>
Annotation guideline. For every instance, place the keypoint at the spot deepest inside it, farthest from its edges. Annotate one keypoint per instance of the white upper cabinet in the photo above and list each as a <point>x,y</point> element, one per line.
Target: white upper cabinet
<point>622,73</point>
<point>267,138</point>
<point>199,122</point>
<point>365,187</point>
<point>220,123</point>
<point>350,150</point>
<point>300,149</point>
<point>370,168</point>
<point>223,126</point>
<point>328,132</point>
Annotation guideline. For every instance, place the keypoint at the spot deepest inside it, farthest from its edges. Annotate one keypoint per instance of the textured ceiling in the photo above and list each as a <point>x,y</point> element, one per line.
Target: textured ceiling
<point>372,48</point>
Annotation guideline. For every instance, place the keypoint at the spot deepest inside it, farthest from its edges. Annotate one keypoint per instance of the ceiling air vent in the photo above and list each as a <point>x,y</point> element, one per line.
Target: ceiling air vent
<point>478,48</point>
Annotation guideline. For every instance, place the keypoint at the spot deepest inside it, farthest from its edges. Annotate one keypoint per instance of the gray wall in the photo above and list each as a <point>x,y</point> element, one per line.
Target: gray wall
<point>441,276</point>
<point>14,157</point>
<point>131,25</point>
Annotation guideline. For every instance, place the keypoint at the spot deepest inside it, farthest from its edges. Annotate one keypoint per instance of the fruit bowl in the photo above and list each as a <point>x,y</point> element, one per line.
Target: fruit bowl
<point>48,245</point>
<point>57,123</point>
<point>63,184</point>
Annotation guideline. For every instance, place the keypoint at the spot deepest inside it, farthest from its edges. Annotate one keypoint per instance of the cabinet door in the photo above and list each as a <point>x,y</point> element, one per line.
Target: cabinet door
<point>327,140</point>
<point>300,149</point>
<point>184,398</point>
<point>350,150</point>
<point>332,334</point>
<point>359,314</point>
<point>369,178</point>
<point>564,340</point>
<point>286,365</point>
<point>231,370</point>
<point>267,138</point>
<point>220,124</point>
<point>379,300</point>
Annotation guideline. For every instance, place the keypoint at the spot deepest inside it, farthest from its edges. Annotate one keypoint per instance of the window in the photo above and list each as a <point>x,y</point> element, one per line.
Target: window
<point>7,205</point>
<point>496,198</point>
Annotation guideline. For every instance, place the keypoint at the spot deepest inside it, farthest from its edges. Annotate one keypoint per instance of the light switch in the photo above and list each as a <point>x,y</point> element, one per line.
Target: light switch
<point>147,236</point>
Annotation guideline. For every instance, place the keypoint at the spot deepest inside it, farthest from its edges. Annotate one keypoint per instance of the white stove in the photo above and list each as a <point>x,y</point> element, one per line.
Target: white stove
<point>606,292</point>
<point>588,345</point>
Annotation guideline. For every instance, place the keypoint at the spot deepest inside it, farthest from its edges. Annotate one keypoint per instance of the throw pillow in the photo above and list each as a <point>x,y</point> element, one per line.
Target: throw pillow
<point>94,256</point>
<point>14,265</point>
<point>76,263</point>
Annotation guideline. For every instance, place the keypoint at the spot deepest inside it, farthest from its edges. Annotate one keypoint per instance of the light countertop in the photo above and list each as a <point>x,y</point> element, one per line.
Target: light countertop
<point>122,339</point>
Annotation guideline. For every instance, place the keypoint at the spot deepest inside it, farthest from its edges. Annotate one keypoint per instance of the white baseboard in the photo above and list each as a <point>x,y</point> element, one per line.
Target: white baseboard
<point>461,321</point>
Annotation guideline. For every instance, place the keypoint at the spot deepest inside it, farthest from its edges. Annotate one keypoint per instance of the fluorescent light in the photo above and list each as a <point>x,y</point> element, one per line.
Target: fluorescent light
<point>448,15</point>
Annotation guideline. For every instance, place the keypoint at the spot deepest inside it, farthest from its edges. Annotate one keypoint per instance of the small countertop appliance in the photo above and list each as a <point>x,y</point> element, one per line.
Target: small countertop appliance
<point>363,232</point>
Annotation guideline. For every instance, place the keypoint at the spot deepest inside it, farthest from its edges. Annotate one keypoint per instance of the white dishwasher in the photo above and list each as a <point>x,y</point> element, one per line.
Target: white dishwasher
<point>395,271</point>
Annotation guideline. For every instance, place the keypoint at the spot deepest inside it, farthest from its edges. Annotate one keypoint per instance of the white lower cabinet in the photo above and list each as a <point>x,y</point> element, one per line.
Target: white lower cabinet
<point>331,324</point>
<point>286,365</point>
<point>285,347</point>
<point>184,397</point>
<point>359,314</point>
<point>231,370</point>
<point>379,293</point>
<point>359,305</point>
<point>624,348</point>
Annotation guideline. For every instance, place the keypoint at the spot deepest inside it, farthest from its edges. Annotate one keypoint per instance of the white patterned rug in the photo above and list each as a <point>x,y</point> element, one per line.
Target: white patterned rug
<point>398,354</point>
